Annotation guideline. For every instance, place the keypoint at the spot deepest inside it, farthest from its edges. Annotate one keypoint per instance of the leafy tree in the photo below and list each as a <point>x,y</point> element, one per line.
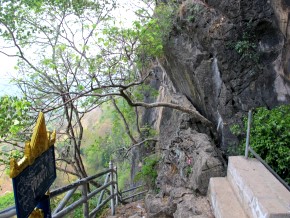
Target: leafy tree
<point>14,117</point>
<point>270,137</point>
<point>15,120</point>
<point>148,172</point>
<point>72,58</point>
<point>59,32</point>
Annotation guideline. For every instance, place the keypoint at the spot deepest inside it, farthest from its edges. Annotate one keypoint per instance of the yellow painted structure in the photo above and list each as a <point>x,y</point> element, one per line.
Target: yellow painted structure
<point>37,213</point>
<point>41,140</point>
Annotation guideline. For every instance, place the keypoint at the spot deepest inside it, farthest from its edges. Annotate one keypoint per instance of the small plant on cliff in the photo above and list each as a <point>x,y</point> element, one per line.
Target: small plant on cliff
<point>246,44</point>
<point>148,172</point>
<point>270,137</point>
<point>246,48</point>
<point>194,9</point>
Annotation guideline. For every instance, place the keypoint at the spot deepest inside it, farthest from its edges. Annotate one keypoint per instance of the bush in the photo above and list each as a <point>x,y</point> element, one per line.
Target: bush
<point>270,138</point>
<point>124,175</point>
<point>148,172</point>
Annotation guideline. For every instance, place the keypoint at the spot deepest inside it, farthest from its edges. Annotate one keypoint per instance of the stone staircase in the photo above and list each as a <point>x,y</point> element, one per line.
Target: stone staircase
<point>249,190</point>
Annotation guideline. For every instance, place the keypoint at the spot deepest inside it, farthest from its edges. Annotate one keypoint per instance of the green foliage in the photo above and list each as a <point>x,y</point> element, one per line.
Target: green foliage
<point>148,172</point>
<point>146,90</point>
<point>246,48</point>
<point>146,37</point>
<point>193,10</point>
<point>236,129</point>
<point>98,155</point>
<point>13,12</point>
<point>270,138</point>
<point>111,144</point>
<point>124,170</point>
<point>120,137</point>
<point>13,116</point>
<point>148,132</point>
<point>5,157</point>
<point>6,200</point>
<point>246,45</point>
<point>155,32</point>
<point>188,170</point>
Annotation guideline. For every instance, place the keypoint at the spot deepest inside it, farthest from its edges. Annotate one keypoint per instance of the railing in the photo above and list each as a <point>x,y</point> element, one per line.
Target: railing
<point>125,196</point>
<point>249,149</point>
<point>110,186</point>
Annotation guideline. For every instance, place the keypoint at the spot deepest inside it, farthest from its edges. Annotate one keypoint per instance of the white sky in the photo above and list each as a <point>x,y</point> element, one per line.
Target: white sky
<point>124,13</point>
<point>6,71</point>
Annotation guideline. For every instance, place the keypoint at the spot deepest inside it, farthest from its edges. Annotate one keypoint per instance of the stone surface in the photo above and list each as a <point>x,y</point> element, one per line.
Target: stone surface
<point>223,58</point>
<point>260,193</point>
<point>189,158</point>
<point>181,203</point>
<point>223,199</point>
<point>159,207</point>
<point>228,56</point>
<point>193,207</point>
<point>132,210</point>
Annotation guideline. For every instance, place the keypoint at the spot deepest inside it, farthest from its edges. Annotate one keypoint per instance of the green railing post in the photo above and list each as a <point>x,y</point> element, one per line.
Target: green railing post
<point>116,188</point>
<point>85,204</point>
<point>112,188</point>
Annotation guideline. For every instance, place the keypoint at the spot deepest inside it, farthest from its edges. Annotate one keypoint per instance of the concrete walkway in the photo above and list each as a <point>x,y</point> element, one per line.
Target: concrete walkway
<point>249,190</point>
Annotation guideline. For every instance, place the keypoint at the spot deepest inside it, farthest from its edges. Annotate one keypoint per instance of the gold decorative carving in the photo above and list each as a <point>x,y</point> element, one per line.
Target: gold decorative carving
<point>41,140</point>
<point>36,213</point>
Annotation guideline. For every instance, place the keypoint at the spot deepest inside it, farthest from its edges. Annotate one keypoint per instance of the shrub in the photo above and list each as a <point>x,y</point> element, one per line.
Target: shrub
<point>123,175</point>
<point>148,172</point>
<point>270,138</point>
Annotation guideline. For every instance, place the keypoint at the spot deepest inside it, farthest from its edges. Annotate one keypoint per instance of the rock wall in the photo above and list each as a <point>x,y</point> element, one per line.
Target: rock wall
<point>188,156</point>
<point>223,58</point>
<point>228,56</point>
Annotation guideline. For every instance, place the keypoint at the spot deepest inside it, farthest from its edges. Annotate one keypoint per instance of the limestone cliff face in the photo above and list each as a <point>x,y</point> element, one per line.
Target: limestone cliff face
<point>223,57</point>
<point>228,56</point>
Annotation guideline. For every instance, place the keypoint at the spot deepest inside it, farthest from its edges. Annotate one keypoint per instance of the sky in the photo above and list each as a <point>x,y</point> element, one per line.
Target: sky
<point>6,71</point>
<point>124,13</point>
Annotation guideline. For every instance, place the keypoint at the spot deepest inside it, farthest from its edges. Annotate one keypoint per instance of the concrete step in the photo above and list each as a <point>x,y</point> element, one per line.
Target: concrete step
<point>223,200</point>
<point>259,192</point>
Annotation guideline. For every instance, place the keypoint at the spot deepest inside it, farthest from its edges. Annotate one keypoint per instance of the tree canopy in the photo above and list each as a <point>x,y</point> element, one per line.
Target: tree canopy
<point>75,55</point>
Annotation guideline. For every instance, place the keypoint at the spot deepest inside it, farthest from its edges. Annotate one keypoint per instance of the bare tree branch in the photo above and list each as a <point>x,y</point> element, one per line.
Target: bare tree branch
<point>192,112</point>
<point>139,143</point>
<point>67,171</point>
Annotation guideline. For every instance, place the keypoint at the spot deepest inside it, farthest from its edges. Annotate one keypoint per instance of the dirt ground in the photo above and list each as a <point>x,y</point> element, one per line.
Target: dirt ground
<point>132,210</point>
<point>5,183</point>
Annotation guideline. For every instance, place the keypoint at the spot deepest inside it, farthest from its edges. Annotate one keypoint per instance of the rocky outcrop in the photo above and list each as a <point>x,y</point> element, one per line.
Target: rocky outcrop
<point>228,56</point>
<point>223,58</point>
<point>181,203</point>
<point>188,158</point>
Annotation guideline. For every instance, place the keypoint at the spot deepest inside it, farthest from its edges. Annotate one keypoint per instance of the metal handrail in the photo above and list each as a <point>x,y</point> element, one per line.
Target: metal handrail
<point>249,148</point>
<point>123,199</point>
<point>78,183</point>
<point>131,189</point>
<point>134,195</point>
<point>61,211</point>
<point>79,202</point>
<point>110,181</point>
<point>8,212</point>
